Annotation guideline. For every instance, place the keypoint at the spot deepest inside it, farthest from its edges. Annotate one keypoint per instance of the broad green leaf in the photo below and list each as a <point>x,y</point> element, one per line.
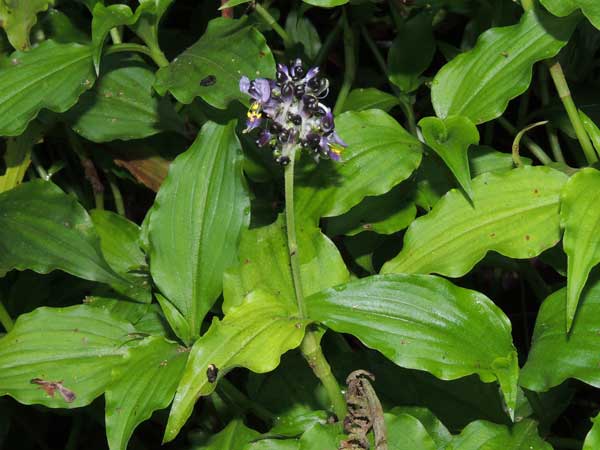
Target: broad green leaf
<point>233,437</point>
<point>321,265</point>
<point>384,214</point>
<point>301,31</point>
<point>451,138</point>
<point>253,335</point>
<point>425,322</point>
<point>104,19</point>
<point>295,424</point>
<point>592,440</point>
<point>321,436</point>
<point>196,221</point>
<point>406,432</point>
<point>435,428</point>
<point>76,347</point>
<point>411,52</point>
<point>562,8</point>
<point>482,435</point>
<point>146,382</point>
<point>51,76</point>
<point>580,217</point>
<point>119,244</point>
<point>274,444</point>
<point>227,50</point>
<point>326,3</point>
<point>555,355</point>
<point>369,98</point>
<point>131,312</point>
<point>149,14</point>
<point>379,156</point>
<point>17,17</point>
<point>479,84</point>
<point>44,229</point>
<point>122,105</point>
<point>514,213</point>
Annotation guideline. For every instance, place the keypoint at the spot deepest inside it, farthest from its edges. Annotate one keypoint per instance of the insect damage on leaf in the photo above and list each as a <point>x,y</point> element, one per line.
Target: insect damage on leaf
<point>208,81</point>
<point>212,372</point>
<point>50,387</point>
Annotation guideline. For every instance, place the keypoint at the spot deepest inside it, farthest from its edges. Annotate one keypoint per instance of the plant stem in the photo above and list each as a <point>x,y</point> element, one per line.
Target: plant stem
<point>310,346</point>
<point>267,17</point>
<point>564,93</point>
<point>115,35</point>
<point>240,399</point>
<point>114,187</point>
<point>350,63</point>
<point>550,130</point>
<point>329,41</point>
<point>532,146</point>
<point>5,318</point>
<point>38,167</point>
<point>155,53</point>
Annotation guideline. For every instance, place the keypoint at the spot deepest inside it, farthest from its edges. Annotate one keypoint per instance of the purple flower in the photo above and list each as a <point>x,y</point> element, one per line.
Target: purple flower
<point>289,112</point>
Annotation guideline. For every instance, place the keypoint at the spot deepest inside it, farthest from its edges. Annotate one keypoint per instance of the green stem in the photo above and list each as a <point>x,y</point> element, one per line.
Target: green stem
<point>532,146</point>
<point>38,167</point>
<point>564,93</point>
<point>407,108</point>
<point>241,400</point>
<point>155,53</point>
<point>550,130</point>
<point>5,318</point>
<point>329,41</point>
<point>267,17</point>
<point>350,63</point>
<point>373,47</point>
<point>310,347</point>
<point>116,192</point>
<point>528,5</point>
<point>115,35</point>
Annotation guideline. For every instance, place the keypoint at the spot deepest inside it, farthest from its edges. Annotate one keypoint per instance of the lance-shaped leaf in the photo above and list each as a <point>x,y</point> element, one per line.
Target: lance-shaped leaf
<point>227,50</point>
<point>253,335</point>
<point>123,104</point>
<point>62,357</point>
<point>104,19</point>
<point>580,217</point>
<point>592,440</point>
<point>44,229</point>
<point>562,8</point>
<point>264,264</point>
<point>555,355</point>
<point>479,84</point>
<point>450,138</point>
<point>196,221</point>
<point>380,154</point>
<point>50,76</point>
<point>425,322</point>
<point>17,17</point>
<point>146,382</point>
<point>233,437</point>
<point>514,213</point>
<point>481,435</point>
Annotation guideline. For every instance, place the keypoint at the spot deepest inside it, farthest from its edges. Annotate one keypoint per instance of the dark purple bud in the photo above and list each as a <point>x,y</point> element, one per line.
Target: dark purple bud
<point>275,128</point>
<point>313,139</point>
<point>283,160</point>
<point>287,90</point>
<point>300,90</point>
<point>263,138</point>
<point>310,101</point>
<point>295,119</point>
<point>327,122</point>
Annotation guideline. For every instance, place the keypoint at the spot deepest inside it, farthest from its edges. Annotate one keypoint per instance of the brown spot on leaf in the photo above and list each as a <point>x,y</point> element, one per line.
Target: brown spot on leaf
<point>261,54</point>
<point>492,234</point>
<point>527,237</point>
<point>535,191</point>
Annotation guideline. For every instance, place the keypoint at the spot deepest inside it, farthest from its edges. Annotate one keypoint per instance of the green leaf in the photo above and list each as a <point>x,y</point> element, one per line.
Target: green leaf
<point>228,50</point>
<point>50,76</point>
<point>320,436</point>
<point>295,424</point>
<point>253,335</point>
<point>176,321</point>
<point>267,247</point>
<point>17,156</point>
<point>119,244</point>
<point>122,104</point>
<point>580,219</point>
<point>411,52</point>
<point>233,437</point>
<point>17,17</point>
<point>406,432</point>
<point>274,444</point>
<point>369,98</point>
<point>424,322</point>
<point>44,229</point>
<point>146,382</point>
<point>149,14</point>
<point>326,3</point>
<point>479,84</point>
<point>481,435</point>
<point>562,8</point>
<point>232,3</point>
<point>196,221</point>
<point>373,137</point>
<point>384,214</point>
<point>514,213</point>
<point>301,31</point>
<point>592,130</point>
<point>104,19</point>
<point>76,347</point>
<point>592,440</point>
<point>450,138</point>
<point>555,355</point>
<point>435,428</point>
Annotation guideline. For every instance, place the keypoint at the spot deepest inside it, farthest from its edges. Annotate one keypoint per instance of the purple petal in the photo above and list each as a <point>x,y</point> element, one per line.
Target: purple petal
<point>313,72</point>
<point>263,138</point>
<point>262,87</point>
<point>252,123</point>
<point>244,84</point>
<point>336,139</point>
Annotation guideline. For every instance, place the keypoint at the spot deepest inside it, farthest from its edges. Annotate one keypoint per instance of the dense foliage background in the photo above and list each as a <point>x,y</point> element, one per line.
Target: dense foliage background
<point>168,277</point>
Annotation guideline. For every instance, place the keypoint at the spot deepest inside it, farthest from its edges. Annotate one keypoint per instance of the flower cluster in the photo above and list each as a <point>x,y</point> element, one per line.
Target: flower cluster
<point>289,113</point>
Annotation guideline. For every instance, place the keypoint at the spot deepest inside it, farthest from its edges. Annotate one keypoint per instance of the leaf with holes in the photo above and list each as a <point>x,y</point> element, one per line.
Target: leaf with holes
<point>425,322</point>
<point>515,213</point>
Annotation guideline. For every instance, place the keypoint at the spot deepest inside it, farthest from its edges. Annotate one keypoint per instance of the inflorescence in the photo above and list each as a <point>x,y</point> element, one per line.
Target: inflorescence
<point>289,113</point>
